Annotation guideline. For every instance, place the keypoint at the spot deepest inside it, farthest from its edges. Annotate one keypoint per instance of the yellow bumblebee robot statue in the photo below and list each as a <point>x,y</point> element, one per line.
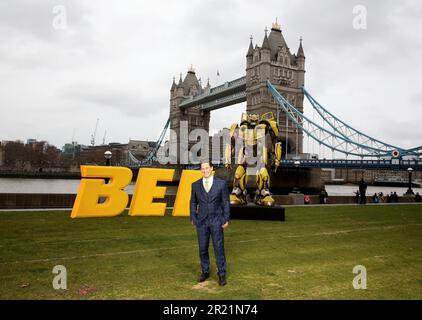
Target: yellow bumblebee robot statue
<point>253,141</point>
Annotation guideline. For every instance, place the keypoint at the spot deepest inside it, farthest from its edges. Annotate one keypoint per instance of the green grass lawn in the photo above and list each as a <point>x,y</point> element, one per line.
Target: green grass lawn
<point>309,256</point>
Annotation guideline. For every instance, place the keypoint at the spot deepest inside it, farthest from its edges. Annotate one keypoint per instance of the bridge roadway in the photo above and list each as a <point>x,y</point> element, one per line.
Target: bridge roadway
<point>355,164</point>
<point>229,93</point>
<point>416,165</point>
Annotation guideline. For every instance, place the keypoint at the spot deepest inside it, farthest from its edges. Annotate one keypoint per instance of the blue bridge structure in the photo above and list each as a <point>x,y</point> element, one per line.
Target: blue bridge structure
<point>337,135</point>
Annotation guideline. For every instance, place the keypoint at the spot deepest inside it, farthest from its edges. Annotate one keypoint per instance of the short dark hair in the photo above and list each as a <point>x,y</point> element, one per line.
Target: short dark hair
<point>206,161</point>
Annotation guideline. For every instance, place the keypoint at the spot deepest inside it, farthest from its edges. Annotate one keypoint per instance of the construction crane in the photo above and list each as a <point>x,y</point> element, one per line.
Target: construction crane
<point>105,133</point>
<point>93,136</point>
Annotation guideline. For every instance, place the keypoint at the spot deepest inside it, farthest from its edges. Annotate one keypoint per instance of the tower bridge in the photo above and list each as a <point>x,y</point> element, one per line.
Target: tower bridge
<point>275,82</point>
<point>273,61</point>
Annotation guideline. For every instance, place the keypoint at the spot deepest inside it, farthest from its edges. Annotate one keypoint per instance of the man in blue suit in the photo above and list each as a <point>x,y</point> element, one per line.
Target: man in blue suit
<point>210,213</point>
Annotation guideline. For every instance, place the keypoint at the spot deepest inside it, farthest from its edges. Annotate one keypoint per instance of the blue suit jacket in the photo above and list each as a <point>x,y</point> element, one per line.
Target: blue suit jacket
<point>215,204</point>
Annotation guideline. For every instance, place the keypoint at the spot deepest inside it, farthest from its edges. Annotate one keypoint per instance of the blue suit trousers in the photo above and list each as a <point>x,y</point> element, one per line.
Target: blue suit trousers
<point>211,227</point>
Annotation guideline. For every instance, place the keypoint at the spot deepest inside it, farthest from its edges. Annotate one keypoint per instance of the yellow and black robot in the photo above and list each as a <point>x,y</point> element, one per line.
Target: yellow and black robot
<point>253,142</point>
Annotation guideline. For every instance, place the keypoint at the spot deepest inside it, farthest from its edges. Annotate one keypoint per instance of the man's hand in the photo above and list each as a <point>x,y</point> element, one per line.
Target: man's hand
<point>192,223</point>
<point>225,225</point>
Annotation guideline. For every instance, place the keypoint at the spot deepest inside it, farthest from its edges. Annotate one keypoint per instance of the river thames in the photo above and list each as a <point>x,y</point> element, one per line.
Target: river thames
<point>70,186</point>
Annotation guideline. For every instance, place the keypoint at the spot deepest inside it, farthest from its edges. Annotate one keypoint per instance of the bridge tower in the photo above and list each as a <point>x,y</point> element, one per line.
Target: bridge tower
<point>187,88</point>
<point>273,61</point>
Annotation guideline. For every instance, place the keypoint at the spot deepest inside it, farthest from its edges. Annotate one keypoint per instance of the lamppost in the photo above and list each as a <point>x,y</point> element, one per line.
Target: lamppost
<point>107,156</point>
<point>409,190</point>
<point>296,188</point>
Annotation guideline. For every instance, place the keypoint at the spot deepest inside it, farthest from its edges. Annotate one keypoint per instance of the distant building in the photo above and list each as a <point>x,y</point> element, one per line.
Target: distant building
<point>140,148</point>
<point>95,154</point>
<point>217,146</point>
<point>6,142</point>
<point>40,146</point>
<point>31,141</point>
<point>71,151</point>
<point>17,154</point>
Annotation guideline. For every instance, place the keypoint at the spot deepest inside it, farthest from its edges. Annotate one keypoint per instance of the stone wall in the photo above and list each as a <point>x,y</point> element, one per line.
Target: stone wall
<point>370,176</point>
<point>308,180</point>
<point>46,201</point>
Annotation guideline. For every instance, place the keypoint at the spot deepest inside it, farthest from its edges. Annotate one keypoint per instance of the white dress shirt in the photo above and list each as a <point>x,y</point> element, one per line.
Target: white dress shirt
<point>210,180</point>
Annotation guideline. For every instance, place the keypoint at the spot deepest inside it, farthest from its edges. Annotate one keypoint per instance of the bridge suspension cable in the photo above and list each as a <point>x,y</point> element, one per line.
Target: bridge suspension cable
<point>333,140</point>
<point>152,155</point>
<point>351,133</point>
<point>344,129</point>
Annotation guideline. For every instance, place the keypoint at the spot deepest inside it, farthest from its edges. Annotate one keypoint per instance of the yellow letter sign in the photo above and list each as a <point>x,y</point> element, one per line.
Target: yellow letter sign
<point>90,190</point>
<point>181,204</point>
<point>93,187</point>
<point>146,190</point>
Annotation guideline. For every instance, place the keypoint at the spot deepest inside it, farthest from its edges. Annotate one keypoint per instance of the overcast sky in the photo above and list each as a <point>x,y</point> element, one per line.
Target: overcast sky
<point>115,60</point>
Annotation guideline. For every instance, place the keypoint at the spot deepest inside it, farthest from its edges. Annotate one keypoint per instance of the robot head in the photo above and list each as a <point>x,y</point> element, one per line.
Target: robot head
<point>252,119</point>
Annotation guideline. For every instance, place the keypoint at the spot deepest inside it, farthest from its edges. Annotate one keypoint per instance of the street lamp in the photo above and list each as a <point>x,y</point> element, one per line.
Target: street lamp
<point>107,156</point>
<point>409,190</point>
<point>296,188</point>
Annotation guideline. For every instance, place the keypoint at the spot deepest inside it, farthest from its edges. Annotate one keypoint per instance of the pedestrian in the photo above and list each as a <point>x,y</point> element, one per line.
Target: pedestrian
<point>362,190</point>
<point>323,197</point>
<point>357,196</point>
<point>210,214</point>
<point>375,198</point>
<point>395,197</point>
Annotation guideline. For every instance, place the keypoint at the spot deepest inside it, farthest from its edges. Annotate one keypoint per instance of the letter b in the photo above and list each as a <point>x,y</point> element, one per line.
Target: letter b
<point>90,190</point>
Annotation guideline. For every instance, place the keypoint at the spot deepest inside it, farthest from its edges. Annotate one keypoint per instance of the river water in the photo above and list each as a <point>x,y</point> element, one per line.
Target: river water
<point>18,185</point>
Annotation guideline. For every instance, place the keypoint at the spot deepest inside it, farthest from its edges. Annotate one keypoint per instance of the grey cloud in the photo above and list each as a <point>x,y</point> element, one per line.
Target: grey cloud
<point>328,28</point>
<point>127,102</point>
<point>121,56</point>
<point>416,98</point>
<point>29,39</point>
<point>36,17</point>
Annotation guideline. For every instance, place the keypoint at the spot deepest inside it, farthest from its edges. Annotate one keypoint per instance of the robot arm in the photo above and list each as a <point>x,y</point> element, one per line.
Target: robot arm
<point>229,149</point>
<point>276,143</point>
<point>227,155</point>
<point>278,153</point>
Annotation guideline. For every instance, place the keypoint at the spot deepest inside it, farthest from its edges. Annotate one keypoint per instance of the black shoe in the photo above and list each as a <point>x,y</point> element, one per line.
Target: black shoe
<point>222,280</point>
<point>204,276</point>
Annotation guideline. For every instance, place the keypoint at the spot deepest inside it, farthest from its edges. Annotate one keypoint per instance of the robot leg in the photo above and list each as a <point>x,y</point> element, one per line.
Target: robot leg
<point>238,194</point>
<point>262,194</point>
